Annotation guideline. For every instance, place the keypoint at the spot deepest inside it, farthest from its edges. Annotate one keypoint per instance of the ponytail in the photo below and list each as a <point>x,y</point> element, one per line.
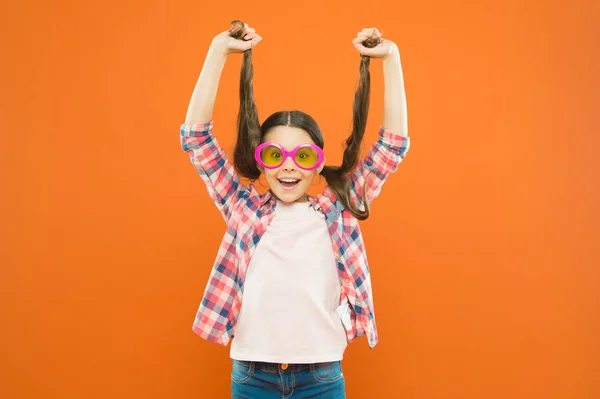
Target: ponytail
<point>338,176</point>
<point>248,131</point>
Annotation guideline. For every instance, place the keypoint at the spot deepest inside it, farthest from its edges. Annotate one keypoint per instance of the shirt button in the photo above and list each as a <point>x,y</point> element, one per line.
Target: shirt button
<point>284,366</point>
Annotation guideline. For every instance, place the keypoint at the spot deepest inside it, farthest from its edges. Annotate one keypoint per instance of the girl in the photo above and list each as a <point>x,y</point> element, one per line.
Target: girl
<point>290,286</point>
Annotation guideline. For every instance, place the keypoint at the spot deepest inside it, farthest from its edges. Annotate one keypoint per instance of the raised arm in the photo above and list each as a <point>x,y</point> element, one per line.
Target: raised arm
<point>202,103</point>
<point>394,97</point>
<point>197,139</point>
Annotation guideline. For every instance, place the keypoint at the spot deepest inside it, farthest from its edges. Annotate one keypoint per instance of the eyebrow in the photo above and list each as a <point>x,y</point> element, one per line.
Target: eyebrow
<point>292,148</point>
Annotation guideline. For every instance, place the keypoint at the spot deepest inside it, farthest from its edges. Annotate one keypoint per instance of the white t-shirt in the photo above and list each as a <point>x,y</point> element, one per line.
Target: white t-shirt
<point>291,293</point>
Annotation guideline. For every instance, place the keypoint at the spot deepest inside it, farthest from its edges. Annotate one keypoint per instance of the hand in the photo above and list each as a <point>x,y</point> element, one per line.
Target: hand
<point>239,38</point>
<point>369,42</point>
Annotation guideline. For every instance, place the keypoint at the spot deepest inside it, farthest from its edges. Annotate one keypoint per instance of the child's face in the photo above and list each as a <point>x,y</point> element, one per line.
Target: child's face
<point>289,138</point>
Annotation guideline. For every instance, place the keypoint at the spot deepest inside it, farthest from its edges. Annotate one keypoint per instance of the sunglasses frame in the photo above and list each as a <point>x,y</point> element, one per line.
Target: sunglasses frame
<point>286,154</point>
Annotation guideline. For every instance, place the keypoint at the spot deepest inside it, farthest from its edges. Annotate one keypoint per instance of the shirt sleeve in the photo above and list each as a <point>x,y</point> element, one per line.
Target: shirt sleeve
<point>381,161</point>
<point>211,163</point>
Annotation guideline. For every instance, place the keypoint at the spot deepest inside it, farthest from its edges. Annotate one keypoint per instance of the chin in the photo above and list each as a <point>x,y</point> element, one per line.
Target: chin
<point>286,196</point>
<point>299,193</point>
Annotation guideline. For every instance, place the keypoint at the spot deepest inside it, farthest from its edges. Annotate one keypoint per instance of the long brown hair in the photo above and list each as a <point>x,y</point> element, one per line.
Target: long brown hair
<point>251,132</point>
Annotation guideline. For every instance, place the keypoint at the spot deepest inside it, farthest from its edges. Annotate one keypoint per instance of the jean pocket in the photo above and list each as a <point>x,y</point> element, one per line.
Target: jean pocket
<point>327,372</point>
<point>241,371</point>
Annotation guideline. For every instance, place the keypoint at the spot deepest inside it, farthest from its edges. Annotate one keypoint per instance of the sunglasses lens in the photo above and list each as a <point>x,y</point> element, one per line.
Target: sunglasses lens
<point>271,156</point>
<point>307,157</point>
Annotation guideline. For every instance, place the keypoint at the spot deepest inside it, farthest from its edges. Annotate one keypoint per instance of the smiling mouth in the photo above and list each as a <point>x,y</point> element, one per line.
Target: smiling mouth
<point>289,183</point>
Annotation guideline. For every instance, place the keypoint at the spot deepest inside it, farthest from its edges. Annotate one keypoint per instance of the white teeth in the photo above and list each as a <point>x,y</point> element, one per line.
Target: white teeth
<point>289,180</point>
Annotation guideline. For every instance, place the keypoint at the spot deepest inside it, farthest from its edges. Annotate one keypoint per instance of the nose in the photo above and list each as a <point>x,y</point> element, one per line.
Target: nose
<point>288,164</point>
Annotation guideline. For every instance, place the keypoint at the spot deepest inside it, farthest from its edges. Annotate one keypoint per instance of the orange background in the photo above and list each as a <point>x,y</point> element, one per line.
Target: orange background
<point>483,246</point>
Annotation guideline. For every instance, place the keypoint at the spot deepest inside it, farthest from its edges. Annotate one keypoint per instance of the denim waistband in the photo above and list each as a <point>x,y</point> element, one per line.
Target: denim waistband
<point>275,367</point>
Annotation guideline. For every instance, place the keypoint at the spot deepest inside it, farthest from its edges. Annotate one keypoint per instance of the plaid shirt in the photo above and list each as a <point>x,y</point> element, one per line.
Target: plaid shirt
<point>247,214</point>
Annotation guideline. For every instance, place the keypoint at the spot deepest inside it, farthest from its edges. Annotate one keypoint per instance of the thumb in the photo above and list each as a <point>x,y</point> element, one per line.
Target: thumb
<point>252,43</point>
<point>364,50</point>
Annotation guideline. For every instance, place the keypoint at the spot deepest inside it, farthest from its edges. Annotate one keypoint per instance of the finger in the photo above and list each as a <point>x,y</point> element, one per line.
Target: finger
<point>372,31</point>
<point>364,50</point>
<point>254,42</point>
<point>358,40</point>
<point>368,35</point>
<point>250,36</point>
<point>249,30</point>
<point>361,38</point>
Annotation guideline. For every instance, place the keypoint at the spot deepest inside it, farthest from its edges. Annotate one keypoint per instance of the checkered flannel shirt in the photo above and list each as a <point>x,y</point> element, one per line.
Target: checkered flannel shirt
<point>247,214</point>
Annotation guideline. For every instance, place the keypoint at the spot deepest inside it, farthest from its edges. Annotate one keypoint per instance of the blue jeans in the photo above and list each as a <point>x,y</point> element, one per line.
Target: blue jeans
<point>257,380</point>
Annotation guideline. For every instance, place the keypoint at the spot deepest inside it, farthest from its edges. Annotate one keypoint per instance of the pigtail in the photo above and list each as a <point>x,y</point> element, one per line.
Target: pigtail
<point>337,176</point>
<point>248,136</point>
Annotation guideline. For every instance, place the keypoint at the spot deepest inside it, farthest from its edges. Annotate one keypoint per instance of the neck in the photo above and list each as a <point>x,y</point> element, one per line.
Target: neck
<point>303,198</point>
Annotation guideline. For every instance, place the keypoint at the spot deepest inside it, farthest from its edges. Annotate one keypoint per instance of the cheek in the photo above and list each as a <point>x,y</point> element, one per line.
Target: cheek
<point>270,174</point>
<point>309,176</point>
